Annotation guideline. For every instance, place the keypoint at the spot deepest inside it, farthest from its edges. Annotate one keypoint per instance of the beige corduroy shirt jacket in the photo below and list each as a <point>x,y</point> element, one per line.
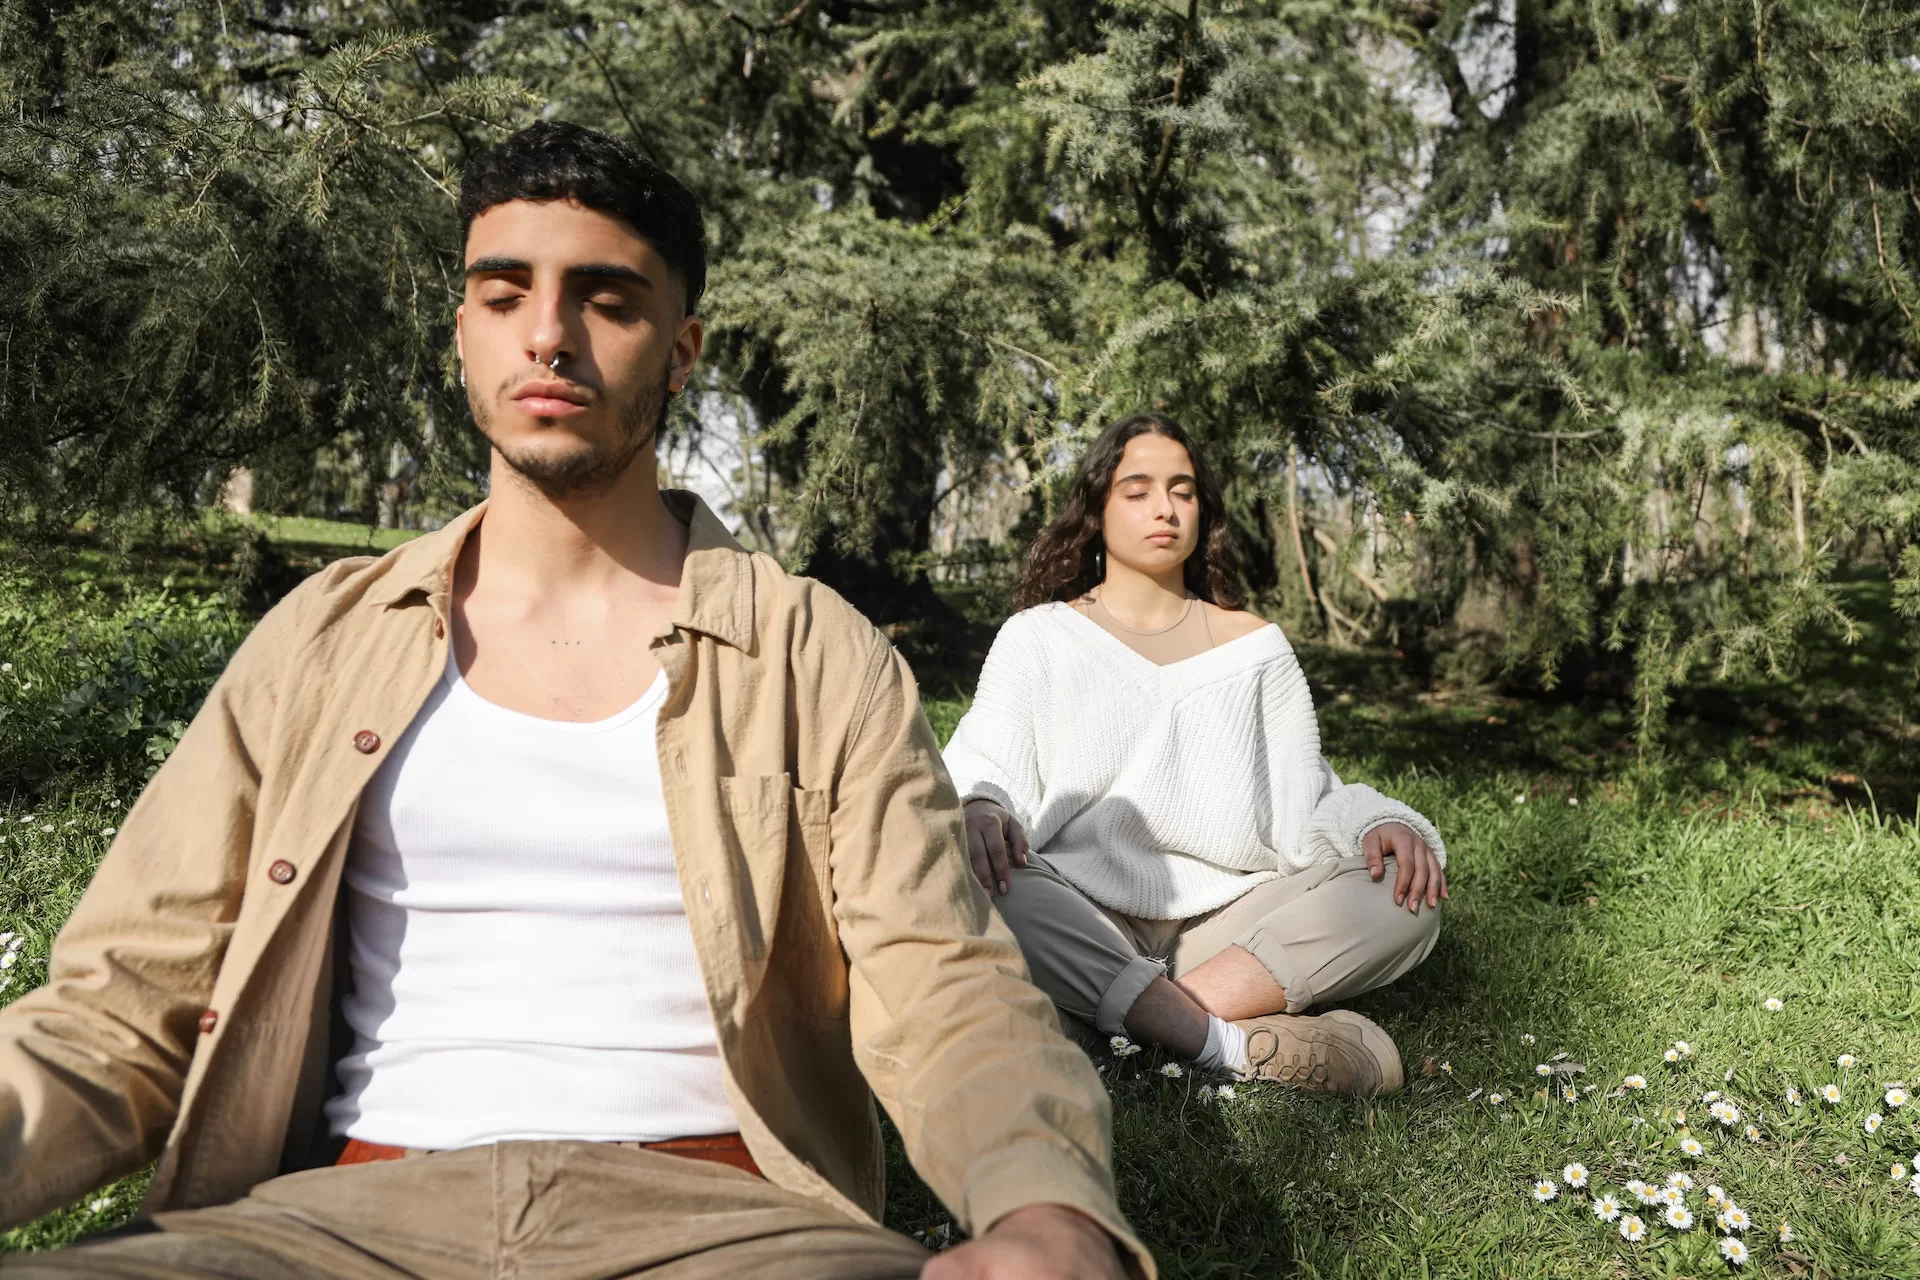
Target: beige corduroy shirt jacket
<point>190,1011</point>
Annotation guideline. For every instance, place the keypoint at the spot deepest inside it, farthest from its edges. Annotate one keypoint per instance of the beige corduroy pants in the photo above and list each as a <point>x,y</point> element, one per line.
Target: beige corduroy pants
<point>526,1210</point>
<point>1327,933</point>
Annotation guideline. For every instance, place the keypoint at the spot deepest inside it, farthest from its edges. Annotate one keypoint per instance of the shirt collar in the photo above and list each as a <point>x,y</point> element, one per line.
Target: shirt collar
<point>716,581</point>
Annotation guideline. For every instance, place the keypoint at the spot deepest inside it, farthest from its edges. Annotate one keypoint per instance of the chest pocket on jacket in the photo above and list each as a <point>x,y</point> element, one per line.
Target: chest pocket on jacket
<point>755,816</point>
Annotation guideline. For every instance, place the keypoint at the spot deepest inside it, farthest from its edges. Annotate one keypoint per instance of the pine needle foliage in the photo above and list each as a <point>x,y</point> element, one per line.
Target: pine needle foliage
<point>1578,335</point>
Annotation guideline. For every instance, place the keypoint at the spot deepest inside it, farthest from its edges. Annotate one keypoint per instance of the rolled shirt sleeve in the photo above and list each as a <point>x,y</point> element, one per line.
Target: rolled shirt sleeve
<point>997,1108</point>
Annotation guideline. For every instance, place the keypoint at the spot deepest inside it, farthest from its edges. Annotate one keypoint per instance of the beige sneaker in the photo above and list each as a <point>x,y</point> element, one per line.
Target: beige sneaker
<point>1338,1052</point>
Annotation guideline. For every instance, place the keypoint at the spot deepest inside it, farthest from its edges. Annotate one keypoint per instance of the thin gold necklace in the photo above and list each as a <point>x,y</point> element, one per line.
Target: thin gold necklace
<point>1101,602</point>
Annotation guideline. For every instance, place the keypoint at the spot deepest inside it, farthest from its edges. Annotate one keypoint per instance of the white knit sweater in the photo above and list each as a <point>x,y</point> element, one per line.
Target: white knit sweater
<point>1162,792</point>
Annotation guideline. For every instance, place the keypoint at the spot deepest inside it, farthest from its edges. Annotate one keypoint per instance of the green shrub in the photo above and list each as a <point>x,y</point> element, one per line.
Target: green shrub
<point>102,681</point>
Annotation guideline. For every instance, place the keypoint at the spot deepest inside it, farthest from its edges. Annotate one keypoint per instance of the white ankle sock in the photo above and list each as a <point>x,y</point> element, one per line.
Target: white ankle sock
<point>1226,1047</point>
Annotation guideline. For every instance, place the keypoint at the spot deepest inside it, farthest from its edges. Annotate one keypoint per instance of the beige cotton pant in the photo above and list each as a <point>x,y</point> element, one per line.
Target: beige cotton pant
<point>1327,933</point>
<point>538,1210</point>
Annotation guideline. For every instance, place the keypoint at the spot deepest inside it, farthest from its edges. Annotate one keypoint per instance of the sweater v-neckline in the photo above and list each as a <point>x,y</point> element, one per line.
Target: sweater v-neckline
<point>1103,636</point>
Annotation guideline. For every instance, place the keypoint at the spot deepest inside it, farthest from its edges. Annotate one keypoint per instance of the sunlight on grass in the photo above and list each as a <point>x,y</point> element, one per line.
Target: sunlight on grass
<point>1602,910</point>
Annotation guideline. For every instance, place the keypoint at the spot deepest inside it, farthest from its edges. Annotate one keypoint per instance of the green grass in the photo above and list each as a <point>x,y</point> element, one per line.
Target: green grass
<point>1768,849</point>
<point>350,539</point>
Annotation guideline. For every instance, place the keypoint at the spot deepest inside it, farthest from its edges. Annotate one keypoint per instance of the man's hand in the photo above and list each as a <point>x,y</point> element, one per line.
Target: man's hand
<point>995,842</point>
<point>1417,872</point>
<point>1039,1242</point>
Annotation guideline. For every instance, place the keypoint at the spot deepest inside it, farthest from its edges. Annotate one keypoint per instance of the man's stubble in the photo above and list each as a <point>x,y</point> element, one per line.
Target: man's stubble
<point>592,465</point>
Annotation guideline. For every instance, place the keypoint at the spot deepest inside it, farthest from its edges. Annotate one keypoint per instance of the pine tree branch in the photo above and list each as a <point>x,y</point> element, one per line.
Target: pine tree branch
<point>1880,248</point>
<point>1160,163</point>
<point>613,90</point>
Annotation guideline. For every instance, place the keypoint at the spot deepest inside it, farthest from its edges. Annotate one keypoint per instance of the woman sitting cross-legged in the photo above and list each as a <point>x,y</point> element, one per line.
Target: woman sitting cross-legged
<point>1147,802</point>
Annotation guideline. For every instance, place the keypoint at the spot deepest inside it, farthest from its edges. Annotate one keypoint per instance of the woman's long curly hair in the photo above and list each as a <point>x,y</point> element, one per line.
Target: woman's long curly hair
<point>1065,561</point>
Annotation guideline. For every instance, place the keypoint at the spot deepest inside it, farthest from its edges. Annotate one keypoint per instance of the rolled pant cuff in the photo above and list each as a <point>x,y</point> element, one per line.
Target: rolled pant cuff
<point>1139,974</point>
<point>1270,951</point>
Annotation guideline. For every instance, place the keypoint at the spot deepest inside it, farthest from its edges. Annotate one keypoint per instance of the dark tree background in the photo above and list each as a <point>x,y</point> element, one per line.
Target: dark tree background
<point>1578,333</point>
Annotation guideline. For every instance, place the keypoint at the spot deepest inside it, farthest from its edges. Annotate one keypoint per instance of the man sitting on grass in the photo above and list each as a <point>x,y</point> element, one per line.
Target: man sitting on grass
<point>544,897</point>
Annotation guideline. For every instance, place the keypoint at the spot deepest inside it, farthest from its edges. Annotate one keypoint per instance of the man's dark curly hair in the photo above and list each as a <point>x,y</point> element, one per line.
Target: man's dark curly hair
<point>1064,561</point>
<point>554,160</point>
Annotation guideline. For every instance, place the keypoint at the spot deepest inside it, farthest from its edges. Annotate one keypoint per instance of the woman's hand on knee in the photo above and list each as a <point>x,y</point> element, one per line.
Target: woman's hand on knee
<point>1417,870</point>
<point>995,843</point>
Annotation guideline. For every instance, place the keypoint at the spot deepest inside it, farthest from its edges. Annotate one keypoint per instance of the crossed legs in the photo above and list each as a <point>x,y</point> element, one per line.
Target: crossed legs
<point>1325,934</point>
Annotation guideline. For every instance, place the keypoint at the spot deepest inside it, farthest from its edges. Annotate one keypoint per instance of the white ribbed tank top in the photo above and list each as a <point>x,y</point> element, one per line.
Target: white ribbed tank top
<point>521,959</point>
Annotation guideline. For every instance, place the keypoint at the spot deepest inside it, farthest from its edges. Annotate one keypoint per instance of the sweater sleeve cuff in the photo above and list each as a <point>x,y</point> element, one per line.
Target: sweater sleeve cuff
<point>1036,1172</point>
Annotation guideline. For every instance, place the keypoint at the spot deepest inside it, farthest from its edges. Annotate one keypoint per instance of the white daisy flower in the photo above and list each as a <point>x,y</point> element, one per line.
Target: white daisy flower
<point>1520,799</point>
<point>1844,1061</point>
<point>1495,1099</point>
<point>18,941</point>
<point>1573,802</point>
<point>1173,1071</point>
<point>1753,1133</point>
<point>1544,1190</point>
<point>1734,1218</point>
<point>7,936</point>
<point>1446,1068</point>
<point>1830,1093</point>
<point>1683,1181</point>
<point>1716,1194</point>
<point>1686,1050</point>
<point>1634,1082</point>
<point>1793,1097</point>
<point>1543,1070</point>
<point>1897,1096</point>
<point>1638,1190</point>
<point>1569,1093</point>
<point>1691,1146</point>
<point>1872,1123</point>
<point>1727,1078</point>
<point>1206,1093</point>
<point>6,961</point>
<point>1575,1174</point>
<point>1679,1217</point>
<point>1526,1037</point>
<point>1224,1092</point>
<point>1672,1055</point>
<point>1606,1208</point>
<point>1632,1229</point>
<point>1671,1195</point>
<point>1711,1095</point>
<point>1726,1113</point>
<point>1733,1251</point>
<point>1119,1044</point>
<point>6,667</point>
<point>1898,1173</point>
<point>1914,1184</point>
<point>1786,1233</point>
<point>107,831</point>
<point>1773,1004</point>
<point>95,1206</point>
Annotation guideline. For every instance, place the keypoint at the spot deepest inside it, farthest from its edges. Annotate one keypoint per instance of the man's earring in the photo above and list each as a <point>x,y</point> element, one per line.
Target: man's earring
<point>463,375</point>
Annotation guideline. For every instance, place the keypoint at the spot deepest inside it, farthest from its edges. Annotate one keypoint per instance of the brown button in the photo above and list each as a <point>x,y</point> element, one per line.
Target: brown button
<point>208,1021</point>
<point>282,871</point>
<point>366,742</point>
